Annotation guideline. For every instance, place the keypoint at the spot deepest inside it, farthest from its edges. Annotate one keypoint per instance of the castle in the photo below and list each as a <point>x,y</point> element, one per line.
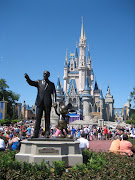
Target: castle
<point>88,102</point>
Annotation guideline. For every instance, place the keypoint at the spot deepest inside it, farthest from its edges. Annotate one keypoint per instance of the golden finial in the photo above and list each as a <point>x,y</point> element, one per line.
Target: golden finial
<point>82,29</point>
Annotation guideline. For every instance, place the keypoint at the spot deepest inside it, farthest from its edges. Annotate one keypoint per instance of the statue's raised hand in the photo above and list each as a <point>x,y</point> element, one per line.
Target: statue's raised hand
<point>26,76</point>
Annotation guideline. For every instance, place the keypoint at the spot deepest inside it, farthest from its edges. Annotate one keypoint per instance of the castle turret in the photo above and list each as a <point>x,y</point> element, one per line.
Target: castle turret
<point>89,60</point>
<point>59,92</point>
<point>86,98</point>
<point>76,58</point>
<point>65,73</point>
<point>92,80</point>
<point>96,92</point>
<point>101,103</point>
<point>109,101</point>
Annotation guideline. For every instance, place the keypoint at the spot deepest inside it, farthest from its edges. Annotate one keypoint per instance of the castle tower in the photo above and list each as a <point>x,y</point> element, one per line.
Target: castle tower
<point>76,58</point>
<point>82,60</point>
<point>19,110</point>
<point>86,98</point>
<point>101,103</point>
<point>59,93</point>
<point>65,73</point>
<point>89,60</point>
<point>109,101</point>
<point>96,92</point>
<point>90,72</point>
<point>92,80</point>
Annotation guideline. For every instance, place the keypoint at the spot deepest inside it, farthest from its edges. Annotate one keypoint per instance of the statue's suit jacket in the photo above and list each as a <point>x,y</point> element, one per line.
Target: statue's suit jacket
<point>45,90</point>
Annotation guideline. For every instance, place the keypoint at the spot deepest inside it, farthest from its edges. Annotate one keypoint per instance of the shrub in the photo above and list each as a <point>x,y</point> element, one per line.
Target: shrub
<point>59,167</point>
<point>14,121</point>
<point>101,165</point>
<point>5,121</point>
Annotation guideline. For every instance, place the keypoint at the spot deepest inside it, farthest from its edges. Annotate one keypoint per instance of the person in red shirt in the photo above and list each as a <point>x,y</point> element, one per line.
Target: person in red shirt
<point>105,132</point>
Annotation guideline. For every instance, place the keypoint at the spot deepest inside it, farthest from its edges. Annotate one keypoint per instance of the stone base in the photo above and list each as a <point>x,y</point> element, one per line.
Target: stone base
<point>49,150</point>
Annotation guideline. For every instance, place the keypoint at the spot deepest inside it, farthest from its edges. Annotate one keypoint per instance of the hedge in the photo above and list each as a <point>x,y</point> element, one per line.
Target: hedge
<point>101,165</point>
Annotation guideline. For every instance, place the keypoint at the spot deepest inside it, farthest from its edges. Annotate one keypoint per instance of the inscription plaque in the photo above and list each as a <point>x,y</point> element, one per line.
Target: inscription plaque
<point>48,151</point>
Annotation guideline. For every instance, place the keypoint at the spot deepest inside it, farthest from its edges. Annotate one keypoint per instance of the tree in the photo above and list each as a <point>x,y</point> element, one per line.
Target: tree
<point>132,96</point>
<point>9,96</point>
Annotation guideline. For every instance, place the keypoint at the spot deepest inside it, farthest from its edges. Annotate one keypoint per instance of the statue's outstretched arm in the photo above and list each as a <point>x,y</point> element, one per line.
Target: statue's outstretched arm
<point>29,81</point>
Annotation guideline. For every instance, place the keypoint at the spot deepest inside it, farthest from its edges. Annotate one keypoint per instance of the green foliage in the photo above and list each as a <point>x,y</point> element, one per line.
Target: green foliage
<point>101,165</point>
<point>8,95</point>
<point>132,96</point>
<point>59,167</point>
<point>12,169</point>
<point>132,116</point>
<point>130,122</point>
<point>14,121</point>
<point>14,116</point>
<point>4,121</point>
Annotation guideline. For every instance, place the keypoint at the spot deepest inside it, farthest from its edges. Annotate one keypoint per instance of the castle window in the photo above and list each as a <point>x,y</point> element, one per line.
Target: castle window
<point>71,67</point>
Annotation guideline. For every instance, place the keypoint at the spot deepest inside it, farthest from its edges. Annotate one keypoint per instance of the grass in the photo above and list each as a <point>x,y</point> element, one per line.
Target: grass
<point>132,140</point>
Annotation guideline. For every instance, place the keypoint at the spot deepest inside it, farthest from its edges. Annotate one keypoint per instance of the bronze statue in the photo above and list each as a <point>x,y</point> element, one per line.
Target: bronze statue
<point>43,101</point>
<point>63,118</point>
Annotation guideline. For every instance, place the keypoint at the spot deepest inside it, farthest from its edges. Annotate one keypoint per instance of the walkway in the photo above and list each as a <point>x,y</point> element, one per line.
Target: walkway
<point>102,145</point>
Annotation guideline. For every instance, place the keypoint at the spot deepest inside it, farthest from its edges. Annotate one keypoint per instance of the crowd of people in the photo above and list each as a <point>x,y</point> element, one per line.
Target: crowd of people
<point>12,135</point>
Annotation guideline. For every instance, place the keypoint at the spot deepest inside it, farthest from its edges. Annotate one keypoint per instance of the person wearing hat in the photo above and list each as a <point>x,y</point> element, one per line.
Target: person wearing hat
<point>46,89</point>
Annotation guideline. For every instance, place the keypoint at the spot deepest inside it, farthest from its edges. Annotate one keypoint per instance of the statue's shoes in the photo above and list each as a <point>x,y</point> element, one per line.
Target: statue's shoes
<point>34,137</point>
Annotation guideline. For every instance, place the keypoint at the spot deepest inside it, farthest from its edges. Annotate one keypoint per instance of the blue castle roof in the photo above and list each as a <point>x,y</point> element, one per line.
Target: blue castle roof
<point>76,53</point>
<point>58,87</point>
<point>87,85</point>
<point>101,95</point>
<point>72,81</point>
<point>96,85</point>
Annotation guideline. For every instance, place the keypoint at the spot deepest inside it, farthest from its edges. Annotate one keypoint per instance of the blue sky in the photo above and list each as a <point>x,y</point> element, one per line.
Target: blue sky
<point>34,36</point>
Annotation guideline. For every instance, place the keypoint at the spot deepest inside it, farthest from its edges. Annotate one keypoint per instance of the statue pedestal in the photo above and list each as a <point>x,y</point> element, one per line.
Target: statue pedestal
<point>35,150</point>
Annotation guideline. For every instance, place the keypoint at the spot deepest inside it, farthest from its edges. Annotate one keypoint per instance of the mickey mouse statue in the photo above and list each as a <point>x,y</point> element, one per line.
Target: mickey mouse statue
<point>63,118</point>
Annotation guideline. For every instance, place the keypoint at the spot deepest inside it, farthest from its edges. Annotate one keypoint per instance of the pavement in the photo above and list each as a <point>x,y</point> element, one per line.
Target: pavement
<point>100,145</point>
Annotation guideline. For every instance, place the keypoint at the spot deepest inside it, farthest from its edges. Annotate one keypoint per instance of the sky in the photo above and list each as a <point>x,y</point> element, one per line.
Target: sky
<point>35,34</point>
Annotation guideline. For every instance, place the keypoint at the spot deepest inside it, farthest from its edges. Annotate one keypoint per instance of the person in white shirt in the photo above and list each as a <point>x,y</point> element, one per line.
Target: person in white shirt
<point>2,145</point>
<point>84,143</point>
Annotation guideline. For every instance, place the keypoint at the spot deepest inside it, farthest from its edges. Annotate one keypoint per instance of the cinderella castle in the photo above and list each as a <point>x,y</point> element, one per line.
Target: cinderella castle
<point>81,90</point>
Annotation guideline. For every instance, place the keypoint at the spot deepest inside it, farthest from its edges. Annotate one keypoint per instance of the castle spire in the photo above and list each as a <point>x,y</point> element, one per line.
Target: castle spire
<point>88,52</point>
<point>96,85</point>
<point>101,94</point>
<point>58,87</point>
<point>66,58</point>
<point>82,29</point>
<point>76,53</point>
